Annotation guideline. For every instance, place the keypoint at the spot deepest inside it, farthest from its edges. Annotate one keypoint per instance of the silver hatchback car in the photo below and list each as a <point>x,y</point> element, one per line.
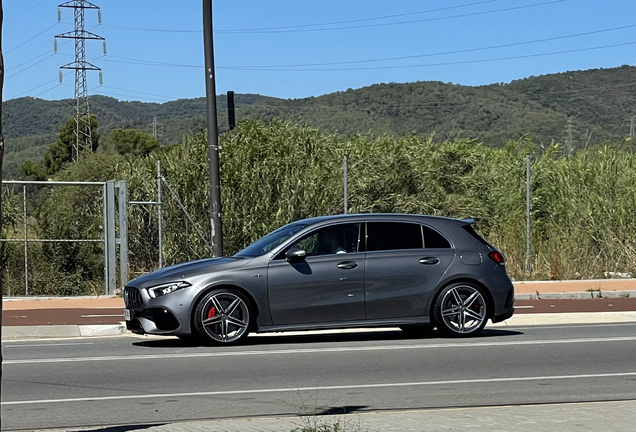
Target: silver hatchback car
<point>368,270</point>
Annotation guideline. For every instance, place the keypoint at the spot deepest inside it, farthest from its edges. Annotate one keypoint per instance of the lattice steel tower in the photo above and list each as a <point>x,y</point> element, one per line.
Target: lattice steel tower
<point>83,133</point>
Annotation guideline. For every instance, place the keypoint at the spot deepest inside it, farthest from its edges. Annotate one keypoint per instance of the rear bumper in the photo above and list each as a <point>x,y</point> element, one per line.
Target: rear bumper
<point>503,316</point>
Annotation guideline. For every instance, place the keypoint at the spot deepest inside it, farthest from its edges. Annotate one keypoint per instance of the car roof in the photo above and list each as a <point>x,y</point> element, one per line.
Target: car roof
<point>382,216</point>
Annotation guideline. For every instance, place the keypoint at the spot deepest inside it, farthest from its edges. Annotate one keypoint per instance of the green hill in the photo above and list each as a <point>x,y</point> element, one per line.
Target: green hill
<point>598,102</point>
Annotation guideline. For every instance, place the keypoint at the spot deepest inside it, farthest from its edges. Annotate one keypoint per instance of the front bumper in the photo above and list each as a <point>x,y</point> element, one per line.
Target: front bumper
<point>166,315</point>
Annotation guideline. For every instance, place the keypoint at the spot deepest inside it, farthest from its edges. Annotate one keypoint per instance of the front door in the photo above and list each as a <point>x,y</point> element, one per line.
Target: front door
<point>327,286</point>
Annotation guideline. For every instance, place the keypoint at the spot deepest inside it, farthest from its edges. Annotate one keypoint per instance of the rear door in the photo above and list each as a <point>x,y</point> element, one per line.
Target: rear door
<point>403,264</point>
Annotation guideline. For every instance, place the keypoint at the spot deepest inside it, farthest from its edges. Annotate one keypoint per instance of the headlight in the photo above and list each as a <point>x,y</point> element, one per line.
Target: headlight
<point>164,289</point>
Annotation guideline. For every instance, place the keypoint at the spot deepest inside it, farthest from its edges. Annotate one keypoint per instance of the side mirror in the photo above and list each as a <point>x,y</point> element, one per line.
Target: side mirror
<point>295,254</point>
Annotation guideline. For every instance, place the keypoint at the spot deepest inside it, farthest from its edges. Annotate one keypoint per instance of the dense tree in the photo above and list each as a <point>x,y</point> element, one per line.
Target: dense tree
<point>133,142</point>
<point>60,152</point>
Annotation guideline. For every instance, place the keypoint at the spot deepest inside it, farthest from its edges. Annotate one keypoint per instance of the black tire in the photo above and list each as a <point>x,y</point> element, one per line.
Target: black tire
<point>450,322</point>
<point>419,330</point>
<point>216,324</point>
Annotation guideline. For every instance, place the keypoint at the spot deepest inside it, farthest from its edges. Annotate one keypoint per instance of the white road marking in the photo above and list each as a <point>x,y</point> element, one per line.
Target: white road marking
<point>324,388</point>
<point>47,344</point>
<point>319,350</point>
<point>100,316</point>
<point>524,307</point>
<point>562,326</point>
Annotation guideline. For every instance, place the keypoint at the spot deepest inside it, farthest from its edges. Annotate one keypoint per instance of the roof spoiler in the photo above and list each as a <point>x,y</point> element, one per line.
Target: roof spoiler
<point>469,221</point>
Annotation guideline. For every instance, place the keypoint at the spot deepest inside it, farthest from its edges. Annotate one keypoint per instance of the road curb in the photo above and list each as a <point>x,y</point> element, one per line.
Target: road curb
<point>61,331</point>
<point>537,319</point>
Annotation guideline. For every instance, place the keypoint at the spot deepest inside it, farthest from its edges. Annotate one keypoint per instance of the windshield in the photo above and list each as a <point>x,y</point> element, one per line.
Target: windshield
<point>270,241</point>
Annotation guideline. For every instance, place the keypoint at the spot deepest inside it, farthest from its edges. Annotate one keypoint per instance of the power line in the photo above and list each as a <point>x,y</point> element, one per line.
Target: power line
<point>399,22</point>
<point>29,67</point>
<point>366,19</point>
<point>48,90</point>
<point>309,25</point>
<point>438,64</point>
<point>29,40</point>
<point>462,51</point>
<point>28,9</point>
<point>142,62</point>
<point>302,28</point>
<point>141,93</point>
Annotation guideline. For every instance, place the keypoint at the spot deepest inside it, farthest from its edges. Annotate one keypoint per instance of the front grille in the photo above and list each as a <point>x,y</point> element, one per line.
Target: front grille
<point>132,298</point>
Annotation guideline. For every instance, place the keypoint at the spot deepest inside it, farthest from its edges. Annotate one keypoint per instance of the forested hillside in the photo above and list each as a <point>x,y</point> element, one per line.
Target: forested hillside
<point>598,102</point>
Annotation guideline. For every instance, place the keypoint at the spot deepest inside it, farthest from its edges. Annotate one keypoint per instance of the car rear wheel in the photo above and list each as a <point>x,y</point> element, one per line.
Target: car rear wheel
<point>223,316</point>
<point>461,310</point>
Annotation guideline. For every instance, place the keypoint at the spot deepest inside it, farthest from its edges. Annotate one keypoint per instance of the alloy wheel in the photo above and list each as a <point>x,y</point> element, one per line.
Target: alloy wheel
<point>463,309</point>
<point>224,317</point>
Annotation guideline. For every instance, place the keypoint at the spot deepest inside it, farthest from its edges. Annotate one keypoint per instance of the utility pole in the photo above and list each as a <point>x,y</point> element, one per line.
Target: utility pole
<point>213,132</point>
<point>1,160</point>
<point>154,127</point>
<point>528,251</point>
<point>83,133</point>
<point>569,140</point>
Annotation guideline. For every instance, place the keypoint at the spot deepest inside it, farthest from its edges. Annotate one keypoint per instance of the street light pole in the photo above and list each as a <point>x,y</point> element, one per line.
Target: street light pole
<point>213,137</point>
<point>1,160</point>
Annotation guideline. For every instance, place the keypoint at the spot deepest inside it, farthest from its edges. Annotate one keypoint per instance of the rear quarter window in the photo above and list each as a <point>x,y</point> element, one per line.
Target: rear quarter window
<point>433,239</point>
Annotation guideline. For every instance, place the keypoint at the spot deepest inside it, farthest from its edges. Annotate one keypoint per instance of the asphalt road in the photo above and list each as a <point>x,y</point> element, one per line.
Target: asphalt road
<point>130,380</point>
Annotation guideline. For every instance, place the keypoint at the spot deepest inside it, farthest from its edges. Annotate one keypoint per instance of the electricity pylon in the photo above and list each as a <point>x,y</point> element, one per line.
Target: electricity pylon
<point>83,133</point>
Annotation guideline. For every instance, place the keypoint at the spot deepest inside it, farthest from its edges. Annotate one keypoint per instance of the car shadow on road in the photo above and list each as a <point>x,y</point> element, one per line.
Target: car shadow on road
<point>128,428</point>
<point>282,339</point>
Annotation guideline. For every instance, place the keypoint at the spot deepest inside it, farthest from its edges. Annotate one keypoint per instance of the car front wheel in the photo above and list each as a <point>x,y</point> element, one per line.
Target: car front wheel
<point>223,316</point>
<point>461,310</point>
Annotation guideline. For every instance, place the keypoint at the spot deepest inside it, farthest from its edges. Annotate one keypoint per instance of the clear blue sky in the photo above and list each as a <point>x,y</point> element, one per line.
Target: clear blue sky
<point>251,36</point>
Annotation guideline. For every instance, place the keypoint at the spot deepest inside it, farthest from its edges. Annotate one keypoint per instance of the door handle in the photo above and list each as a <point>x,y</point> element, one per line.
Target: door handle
<point>347,265</point>
<point>429,261</point>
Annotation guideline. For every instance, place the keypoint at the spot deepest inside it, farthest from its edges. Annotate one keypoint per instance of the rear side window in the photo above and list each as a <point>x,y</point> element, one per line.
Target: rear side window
<point>393,235</point>
<point>434,240</point>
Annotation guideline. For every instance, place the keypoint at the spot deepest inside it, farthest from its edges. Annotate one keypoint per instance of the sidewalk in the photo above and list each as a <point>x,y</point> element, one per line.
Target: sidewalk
<point>536,303</point>
<point>593,416</point>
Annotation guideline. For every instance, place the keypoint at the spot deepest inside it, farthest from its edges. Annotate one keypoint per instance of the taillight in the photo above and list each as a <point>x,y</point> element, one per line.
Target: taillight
<point>497,257</point>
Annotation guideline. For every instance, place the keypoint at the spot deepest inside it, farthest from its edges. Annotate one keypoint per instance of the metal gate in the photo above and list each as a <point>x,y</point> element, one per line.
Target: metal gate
<point>114,230</point>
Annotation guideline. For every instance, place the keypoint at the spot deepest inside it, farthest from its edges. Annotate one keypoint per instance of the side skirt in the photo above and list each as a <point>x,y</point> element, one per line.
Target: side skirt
<point>345,324</point>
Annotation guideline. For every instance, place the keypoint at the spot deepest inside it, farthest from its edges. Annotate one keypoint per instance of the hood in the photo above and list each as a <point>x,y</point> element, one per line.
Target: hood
<point>186,270</point>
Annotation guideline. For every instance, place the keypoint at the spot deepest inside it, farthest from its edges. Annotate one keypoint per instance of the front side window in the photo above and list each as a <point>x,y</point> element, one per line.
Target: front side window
<point>335,239</point>
<point>270,241</point>
<point>393,235</point>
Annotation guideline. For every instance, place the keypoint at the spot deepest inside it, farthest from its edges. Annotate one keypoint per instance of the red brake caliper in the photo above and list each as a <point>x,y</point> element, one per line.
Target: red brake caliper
<point>212,312</point>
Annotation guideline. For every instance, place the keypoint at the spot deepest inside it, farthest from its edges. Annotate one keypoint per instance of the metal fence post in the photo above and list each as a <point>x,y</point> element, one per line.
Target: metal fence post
<point>346,157</point>
<point>110,237</point>
<point>159,213</point>
<point>26,243</point>
<point>105,240</point>
<point>123,233</point>
<point>528,267</point>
